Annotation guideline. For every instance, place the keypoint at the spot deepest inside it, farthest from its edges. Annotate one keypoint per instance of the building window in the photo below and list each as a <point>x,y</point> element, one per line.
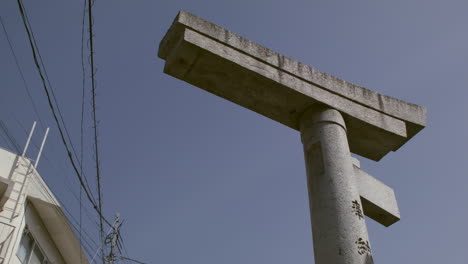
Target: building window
<point>29,251</point>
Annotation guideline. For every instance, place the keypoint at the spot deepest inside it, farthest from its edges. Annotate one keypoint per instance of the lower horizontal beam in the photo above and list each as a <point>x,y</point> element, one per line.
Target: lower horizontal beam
<point>378,200</point>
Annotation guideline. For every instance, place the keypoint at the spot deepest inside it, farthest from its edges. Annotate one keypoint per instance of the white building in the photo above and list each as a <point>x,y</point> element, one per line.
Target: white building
<point>33,227</point>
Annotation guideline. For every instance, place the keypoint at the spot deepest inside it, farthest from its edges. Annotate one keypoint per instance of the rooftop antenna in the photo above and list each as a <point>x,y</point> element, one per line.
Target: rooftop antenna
<point>40,149</point>
<point>29,139</point>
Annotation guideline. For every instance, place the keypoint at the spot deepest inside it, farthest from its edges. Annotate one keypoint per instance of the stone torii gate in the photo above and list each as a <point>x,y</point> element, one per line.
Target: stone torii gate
<point>335,118</point>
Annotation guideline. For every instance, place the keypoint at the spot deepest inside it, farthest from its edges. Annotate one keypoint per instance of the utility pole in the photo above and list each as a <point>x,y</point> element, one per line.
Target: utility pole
<point>112,239</point>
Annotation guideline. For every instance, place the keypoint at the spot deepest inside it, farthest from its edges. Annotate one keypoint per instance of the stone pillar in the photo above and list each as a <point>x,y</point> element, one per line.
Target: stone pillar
<point>338,224</point>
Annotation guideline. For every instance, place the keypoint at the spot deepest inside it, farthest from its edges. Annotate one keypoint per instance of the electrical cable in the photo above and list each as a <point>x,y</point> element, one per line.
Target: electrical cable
<point>58,170</point>
<point>83,75</point>
<point>93,92</point>
<point>41,61</point>
<point>7,141</point>
<point>110,229</point>
<point>33,44</point>
<point>133,260</point>
<point>28,92</point>
<point>5,129</point>
<point>124,248</point>
<point>11,139</point>
<point>36,50</point>
<point>45,156</point>
<point>22,11</point>
<point>46,192</point>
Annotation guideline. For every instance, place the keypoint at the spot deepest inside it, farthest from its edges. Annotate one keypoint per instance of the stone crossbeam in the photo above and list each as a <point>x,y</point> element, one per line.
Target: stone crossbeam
<point>378,200</point>
<point>334,118</point>
<point>241,71</point>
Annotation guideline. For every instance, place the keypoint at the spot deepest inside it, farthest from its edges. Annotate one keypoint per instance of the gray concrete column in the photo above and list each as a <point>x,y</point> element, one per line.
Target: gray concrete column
<point>338,224</point>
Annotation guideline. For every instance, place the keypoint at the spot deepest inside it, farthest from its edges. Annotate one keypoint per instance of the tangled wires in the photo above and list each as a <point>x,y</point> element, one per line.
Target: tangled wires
<point>114,241</point>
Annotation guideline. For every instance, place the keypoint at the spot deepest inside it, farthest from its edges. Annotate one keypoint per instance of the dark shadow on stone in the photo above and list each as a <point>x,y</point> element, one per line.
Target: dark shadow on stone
<point>369,259</point>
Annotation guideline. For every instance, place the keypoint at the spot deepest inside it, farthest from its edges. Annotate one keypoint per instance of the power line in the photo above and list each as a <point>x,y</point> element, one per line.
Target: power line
<point>60,201</point>
<point>100,249</point>
<point>133,260</point>
<point>87,240</point>
<point>46,156</point>
<point>44,77</point>
<point>93,92</point>
<point>33,38</point>
<point>28,92</point>
<point>115,241</point>
<point>44,190</point>
<point>6,140</point>
<point>124,248</point>
<point>33,49</point>
<point>57,171</point>
<point>126,253</point>
<point>10,138</point>
<point>83,76</point>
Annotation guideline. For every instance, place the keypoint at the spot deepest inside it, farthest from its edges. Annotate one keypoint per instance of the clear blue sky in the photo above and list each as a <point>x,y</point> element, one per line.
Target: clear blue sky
<point>200,180</point>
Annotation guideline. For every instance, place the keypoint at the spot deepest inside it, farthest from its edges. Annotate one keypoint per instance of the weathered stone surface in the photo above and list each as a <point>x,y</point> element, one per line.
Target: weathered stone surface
<point>338,224</point>
<point>280,88</point>
<point>378,200</point>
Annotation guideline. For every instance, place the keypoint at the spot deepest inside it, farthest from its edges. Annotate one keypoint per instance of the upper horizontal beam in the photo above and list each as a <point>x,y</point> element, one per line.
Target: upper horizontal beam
<point>280,88</point>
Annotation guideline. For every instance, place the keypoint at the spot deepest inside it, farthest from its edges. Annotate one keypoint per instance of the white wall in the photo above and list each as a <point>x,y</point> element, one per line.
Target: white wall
<point>41,206</point>
<point>6,162</point>
<point>40,235</point>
